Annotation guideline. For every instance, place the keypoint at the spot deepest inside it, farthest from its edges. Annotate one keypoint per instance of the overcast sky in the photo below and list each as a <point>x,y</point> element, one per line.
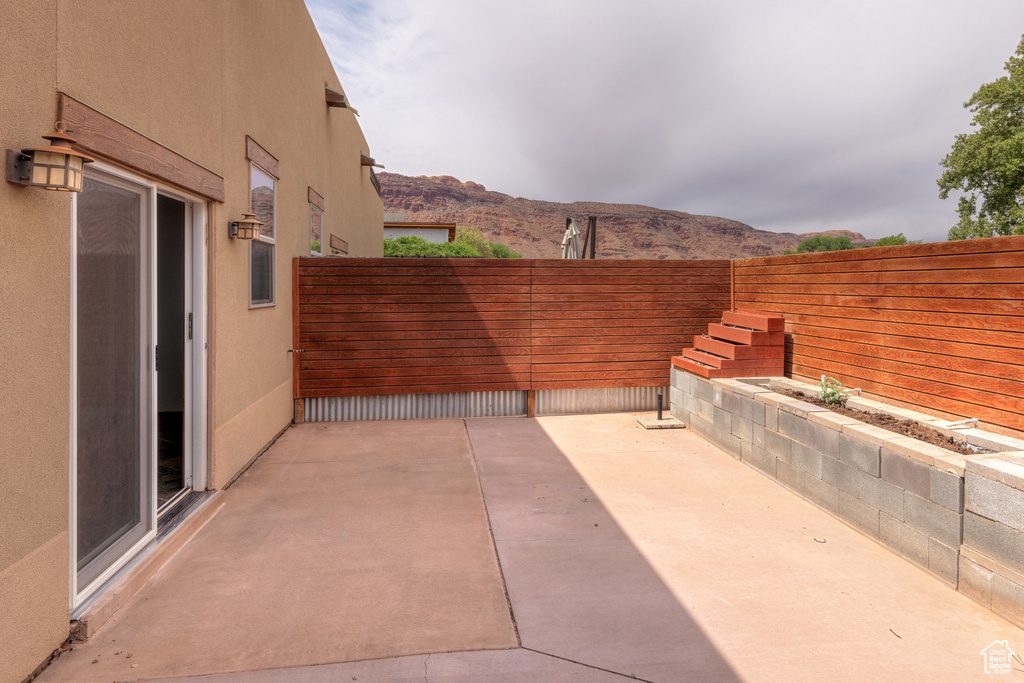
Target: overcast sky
<point>787,115</point>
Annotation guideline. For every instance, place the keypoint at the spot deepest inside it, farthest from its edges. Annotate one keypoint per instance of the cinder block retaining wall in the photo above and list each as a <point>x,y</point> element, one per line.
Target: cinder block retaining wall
<point>909,496</point>
<point>992,554</point>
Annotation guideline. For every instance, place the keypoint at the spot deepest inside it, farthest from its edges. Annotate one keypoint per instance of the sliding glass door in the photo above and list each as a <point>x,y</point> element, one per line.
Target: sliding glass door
<point>138,406</point>
<point>113,343</point>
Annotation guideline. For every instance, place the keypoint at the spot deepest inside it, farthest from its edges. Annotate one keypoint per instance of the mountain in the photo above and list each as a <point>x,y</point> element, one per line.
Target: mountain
<point>535,228</point>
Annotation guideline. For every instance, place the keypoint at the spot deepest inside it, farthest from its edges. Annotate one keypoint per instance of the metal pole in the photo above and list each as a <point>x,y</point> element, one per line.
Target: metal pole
<point>659,407</point>
<point>592,230</point>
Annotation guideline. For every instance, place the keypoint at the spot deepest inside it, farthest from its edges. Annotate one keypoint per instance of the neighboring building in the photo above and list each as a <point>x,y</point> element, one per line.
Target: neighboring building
<point>196,112</point>
<point>431,232</point>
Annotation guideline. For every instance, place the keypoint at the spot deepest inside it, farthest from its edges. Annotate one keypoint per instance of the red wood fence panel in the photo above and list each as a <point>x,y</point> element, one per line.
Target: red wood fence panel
<point>398,326</point>
<point>937,326</point>
<point>406,326</point>
<point>615,323</point>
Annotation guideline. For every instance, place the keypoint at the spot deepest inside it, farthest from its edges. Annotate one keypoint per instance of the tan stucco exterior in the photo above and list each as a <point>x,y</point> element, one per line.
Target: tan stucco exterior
<point>196,77</point>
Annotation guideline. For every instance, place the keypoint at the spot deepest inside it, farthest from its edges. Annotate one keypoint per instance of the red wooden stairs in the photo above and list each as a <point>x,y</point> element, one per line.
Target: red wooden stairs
<point>745,344</point>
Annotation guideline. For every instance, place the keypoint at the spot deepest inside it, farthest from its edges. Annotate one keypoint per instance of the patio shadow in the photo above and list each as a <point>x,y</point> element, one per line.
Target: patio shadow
<point>580,588</point>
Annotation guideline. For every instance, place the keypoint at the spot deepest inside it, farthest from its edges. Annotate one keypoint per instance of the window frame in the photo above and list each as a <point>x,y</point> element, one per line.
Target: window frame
<point>313,209</point>
<point>269,243</point>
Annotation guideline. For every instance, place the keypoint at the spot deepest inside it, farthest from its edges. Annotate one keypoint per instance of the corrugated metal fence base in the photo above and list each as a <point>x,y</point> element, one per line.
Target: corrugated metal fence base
<point>609,400</point>
<point>482,404</point>
<point>416,406</point>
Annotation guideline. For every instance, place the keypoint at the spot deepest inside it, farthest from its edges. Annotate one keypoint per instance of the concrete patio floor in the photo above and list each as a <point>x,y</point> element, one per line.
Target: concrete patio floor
<point>569,548</point>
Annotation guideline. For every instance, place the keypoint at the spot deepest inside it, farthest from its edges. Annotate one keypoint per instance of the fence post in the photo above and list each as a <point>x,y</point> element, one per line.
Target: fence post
<point>732,285</point>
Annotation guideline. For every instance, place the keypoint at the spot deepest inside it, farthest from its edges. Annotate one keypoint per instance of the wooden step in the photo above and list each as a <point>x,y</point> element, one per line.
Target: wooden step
<point>727,349</point>
<point>732,363</point>
<point>766,314</point>
<point>755,320</point>
<point>743,336</point>
<point>746,344</point>
<point>712,373</point>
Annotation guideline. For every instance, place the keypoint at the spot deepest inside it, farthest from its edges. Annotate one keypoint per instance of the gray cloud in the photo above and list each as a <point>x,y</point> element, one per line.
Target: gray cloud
<point>791,115</point>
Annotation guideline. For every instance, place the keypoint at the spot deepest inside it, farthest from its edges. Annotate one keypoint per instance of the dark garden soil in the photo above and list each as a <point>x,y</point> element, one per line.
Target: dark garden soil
<point>909,428</point>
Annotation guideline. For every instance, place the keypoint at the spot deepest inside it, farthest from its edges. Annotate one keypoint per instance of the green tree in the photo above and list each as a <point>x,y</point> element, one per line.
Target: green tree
<point>824,243</point>
<point>473,237</point>
<point>988,164</point>
<point>894,241</point>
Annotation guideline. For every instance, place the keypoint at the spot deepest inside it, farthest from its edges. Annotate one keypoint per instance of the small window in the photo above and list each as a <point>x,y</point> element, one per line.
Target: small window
<point>316,225</point>
<point>261,268</point>
<point>262,201</point>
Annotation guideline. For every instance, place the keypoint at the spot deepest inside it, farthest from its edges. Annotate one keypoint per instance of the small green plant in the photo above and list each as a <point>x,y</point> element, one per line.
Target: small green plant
<point>832,391</point>
<point>314,246</point>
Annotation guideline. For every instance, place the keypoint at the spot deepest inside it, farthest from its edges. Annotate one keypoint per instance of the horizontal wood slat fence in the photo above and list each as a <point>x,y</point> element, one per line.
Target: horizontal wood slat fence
<point>937,326</point>
<point>376,326</point>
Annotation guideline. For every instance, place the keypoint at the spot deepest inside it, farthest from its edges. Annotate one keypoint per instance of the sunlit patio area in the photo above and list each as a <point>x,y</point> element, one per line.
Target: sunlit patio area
<point>546,549</point>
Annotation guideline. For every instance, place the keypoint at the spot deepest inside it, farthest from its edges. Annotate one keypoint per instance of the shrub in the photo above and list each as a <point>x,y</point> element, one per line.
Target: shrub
<point>499,250</point>
<point>456,249</point>
<point>414,245</point>
<point>824,243</point>
<point>468,242</point>
<point>894,241</point>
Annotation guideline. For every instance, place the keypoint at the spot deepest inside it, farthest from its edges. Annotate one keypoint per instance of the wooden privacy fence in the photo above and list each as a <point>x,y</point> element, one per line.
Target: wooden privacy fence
<point>937,326</point>
<point>934,325</point>
<point>376,326</point>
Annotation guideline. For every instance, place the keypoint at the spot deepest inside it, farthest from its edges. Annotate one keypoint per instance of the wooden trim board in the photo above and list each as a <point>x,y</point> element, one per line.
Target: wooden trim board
<point>104,136</point>
<point>255,153</point>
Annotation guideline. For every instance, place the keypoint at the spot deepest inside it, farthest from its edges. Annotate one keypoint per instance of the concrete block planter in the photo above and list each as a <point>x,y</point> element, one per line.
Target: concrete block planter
<point>959,517</point>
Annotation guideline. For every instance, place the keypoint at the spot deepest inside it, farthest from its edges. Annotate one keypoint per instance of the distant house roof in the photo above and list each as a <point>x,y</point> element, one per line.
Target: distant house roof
<point>426,230</point>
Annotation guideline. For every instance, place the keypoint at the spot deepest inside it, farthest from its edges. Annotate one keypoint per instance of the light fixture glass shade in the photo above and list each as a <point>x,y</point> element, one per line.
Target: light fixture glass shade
<point>55,167</point>
<point>247,228</point>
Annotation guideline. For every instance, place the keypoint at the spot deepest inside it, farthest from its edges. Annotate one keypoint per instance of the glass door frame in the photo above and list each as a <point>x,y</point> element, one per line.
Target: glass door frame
<point>196,238</point>
<point>194,372</point>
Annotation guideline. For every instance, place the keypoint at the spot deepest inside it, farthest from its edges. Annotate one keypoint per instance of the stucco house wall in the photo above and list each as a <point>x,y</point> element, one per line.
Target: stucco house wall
<point>197,77</point>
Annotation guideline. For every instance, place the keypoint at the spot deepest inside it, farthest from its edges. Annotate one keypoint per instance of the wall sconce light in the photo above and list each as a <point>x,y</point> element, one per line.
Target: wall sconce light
<point>245,229</point>
<point>55,167</point>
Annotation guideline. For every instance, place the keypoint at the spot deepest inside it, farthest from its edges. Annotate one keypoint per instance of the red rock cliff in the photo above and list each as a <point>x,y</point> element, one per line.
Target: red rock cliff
<point>535,228</point>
